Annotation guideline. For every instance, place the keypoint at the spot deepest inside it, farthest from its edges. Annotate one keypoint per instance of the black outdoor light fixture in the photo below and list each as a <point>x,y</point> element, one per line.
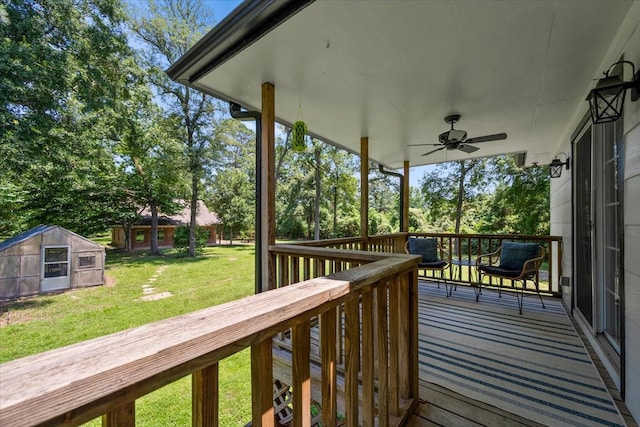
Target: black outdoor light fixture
<point>555,167</point>
<point>606,100</point>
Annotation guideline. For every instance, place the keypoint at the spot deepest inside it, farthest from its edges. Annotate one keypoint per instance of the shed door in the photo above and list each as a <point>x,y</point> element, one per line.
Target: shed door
<point>55,268</point>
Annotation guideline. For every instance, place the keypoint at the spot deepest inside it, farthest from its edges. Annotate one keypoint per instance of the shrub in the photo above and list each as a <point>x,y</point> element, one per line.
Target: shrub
<point>181,237</point>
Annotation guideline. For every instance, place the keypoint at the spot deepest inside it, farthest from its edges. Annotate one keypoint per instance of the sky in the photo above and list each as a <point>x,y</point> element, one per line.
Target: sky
<point>221,8</point>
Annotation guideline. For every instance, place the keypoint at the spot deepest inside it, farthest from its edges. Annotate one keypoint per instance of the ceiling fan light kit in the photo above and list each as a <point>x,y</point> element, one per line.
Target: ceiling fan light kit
<point>456,139</point>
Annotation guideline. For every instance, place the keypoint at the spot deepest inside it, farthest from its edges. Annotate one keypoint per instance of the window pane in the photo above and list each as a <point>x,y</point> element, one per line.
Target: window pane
<point>140,236</point>
<point>55,254</point>
<point>86,261</point>
<point>55,270</point>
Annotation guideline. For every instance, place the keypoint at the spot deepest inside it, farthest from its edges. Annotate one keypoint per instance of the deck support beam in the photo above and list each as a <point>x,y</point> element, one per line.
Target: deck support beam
<point>364,191</point>
<point>267,192</point>
<point>405,199</point>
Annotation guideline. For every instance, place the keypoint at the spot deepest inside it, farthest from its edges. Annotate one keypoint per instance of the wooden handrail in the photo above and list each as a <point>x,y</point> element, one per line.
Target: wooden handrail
<point>74,384</point>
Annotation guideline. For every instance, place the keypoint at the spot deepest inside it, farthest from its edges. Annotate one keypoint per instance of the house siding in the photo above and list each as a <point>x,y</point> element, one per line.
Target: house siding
<point>632,269</point>
<point>627,45</point>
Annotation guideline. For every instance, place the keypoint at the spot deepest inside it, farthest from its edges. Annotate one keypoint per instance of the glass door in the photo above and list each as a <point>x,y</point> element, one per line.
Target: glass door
<point>55,268</point>
<point>610,273</point>
<point>583,223</point>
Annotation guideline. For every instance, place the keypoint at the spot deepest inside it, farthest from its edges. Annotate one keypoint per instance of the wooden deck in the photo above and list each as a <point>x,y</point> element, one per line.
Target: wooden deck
<point>440,406</point>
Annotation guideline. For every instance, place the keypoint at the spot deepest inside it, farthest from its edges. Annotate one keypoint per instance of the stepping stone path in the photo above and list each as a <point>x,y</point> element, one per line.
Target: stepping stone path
<point>149,291</point>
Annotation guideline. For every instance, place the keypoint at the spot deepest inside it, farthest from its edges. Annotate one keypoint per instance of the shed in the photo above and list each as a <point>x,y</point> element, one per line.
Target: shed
<point>46,259</point>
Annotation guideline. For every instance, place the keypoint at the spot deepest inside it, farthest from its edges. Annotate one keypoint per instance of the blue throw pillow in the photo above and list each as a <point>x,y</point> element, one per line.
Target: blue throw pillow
<point>515,254</point>
<point>428,248</point>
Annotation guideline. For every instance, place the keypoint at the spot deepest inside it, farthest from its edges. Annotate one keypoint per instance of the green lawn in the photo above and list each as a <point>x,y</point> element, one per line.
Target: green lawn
<point>219,275</point>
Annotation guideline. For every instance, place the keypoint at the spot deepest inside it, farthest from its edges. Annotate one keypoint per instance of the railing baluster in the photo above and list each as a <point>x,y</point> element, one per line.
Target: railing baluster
<point>328,326</point>
<point>396,350</point>
<point>122,416</point>
<point>301,348</point>
<point>352,361</point>
<point>383,353</point>
<point>262,384</point>
<point>204,397</point>
<point>368,349</point>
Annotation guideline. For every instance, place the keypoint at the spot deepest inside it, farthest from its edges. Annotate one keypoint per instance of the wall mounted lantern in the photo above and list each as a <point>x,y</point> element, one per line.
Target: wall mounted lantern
<point>555,167</point>
<point>606,100</point>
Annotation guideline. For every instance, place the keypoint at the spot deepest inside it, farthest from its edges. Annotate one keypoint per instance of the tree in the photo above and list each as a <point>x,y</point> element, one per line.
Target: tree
<point>488,196</point>
<point>65,66</point>
<point>232,199</point>
<point>152,155</point>
<point>449,186</point>
<point>167,30</point>
<point>520,203</point>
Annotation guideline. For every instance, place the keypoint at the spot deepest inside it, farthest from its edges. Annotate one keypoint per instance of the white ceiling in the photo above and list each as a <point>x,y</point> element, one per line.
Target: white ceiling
<point>391,71</point>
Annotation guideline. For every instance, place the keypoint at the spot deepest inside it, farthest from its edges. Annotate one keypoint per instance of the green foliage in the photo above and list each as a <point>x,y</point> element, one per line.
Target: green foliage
<point>496,197</point>
<point>232,199</point>
<point>181,238</point>
<point>65,70</point>
<point>166,30</point>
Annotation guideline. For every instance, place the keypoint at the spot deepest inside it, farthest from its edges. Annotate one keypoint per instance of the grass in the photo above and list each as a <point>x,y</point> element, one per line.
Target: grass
<point>220,274</point>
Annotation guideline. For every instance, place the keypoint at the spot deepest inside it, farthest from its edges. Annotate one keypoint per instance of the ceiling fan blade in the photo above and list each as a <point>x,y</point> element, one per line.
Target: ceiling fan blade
<point>467,148</point>
<point>433,151</point>
<point>420,145</point>
<point>486,138</point>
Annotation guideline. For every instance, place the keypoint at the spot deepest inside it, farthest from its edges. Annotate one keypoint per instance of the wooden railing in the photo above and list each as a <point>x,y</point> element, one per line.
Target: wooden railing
<point>465,248</point>
<point>105,376</point>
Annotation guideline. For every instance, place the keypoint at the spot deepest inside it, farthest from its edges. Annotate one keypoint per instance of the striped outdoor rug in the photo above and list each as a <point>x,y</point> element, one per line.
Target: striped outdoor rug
<point>533,364</point>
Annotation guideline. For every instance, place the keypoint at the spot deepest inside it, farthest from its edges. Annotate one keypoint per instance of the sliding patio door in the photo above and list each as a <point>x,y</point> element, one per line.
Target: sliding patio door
<point>598,221</point>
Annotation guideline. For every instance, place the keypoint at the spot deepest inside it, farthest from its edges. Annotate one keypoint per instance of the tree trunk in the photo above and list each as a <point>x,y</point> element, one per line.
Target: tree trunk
<point>127,236</point>
<point>194,213</point>
<point>463,174</point>
<point>154,229</point>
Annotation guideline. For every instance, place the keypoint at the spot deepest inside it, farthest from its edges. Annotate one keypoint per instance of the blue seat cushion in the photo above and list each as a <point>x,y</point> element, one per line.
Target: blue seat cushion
<point>437,264</point>
<point>498,271</point>
<point>428,248</point>
<point>515,254</point>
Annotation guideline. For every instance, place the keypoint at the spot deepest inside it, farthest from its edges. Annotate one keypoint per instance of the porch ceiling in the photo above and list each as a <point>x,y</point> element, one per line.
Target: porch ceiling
<point>391,70</point>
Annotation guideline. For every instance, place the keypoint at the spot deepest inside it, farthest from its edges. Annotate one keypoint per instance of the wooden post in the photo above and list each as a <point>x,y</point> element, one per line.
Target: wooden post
<point>268,187</point>
<point>262,384</point>
<point>122,416</point>
<point>405,198</point>
<point>204,397</point>
<point>364,191</point>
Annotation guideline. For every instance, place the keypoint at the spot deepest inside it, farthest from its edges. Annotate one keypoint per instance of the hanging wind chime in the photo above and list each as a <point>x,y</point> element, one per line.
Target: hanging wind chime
<point>298,133</point>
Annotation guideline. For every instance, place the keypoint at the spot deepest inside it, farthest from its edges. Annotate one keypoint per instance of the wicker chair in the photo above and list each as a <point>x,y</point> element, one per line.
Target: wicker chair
<point>429,248</point>
<point>514,261</point>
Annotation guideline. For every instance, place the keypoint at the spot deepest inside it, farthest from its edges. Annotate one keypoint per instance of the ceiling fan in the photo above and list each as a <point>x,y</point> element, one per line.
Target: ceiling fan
<point>456,139</point>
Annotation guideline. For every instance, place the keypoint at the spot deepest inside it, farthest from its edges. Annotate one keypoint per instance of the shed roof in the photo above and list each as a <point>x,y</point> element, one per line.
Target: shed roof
<point>35,231</point>
<point>25,235</point>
